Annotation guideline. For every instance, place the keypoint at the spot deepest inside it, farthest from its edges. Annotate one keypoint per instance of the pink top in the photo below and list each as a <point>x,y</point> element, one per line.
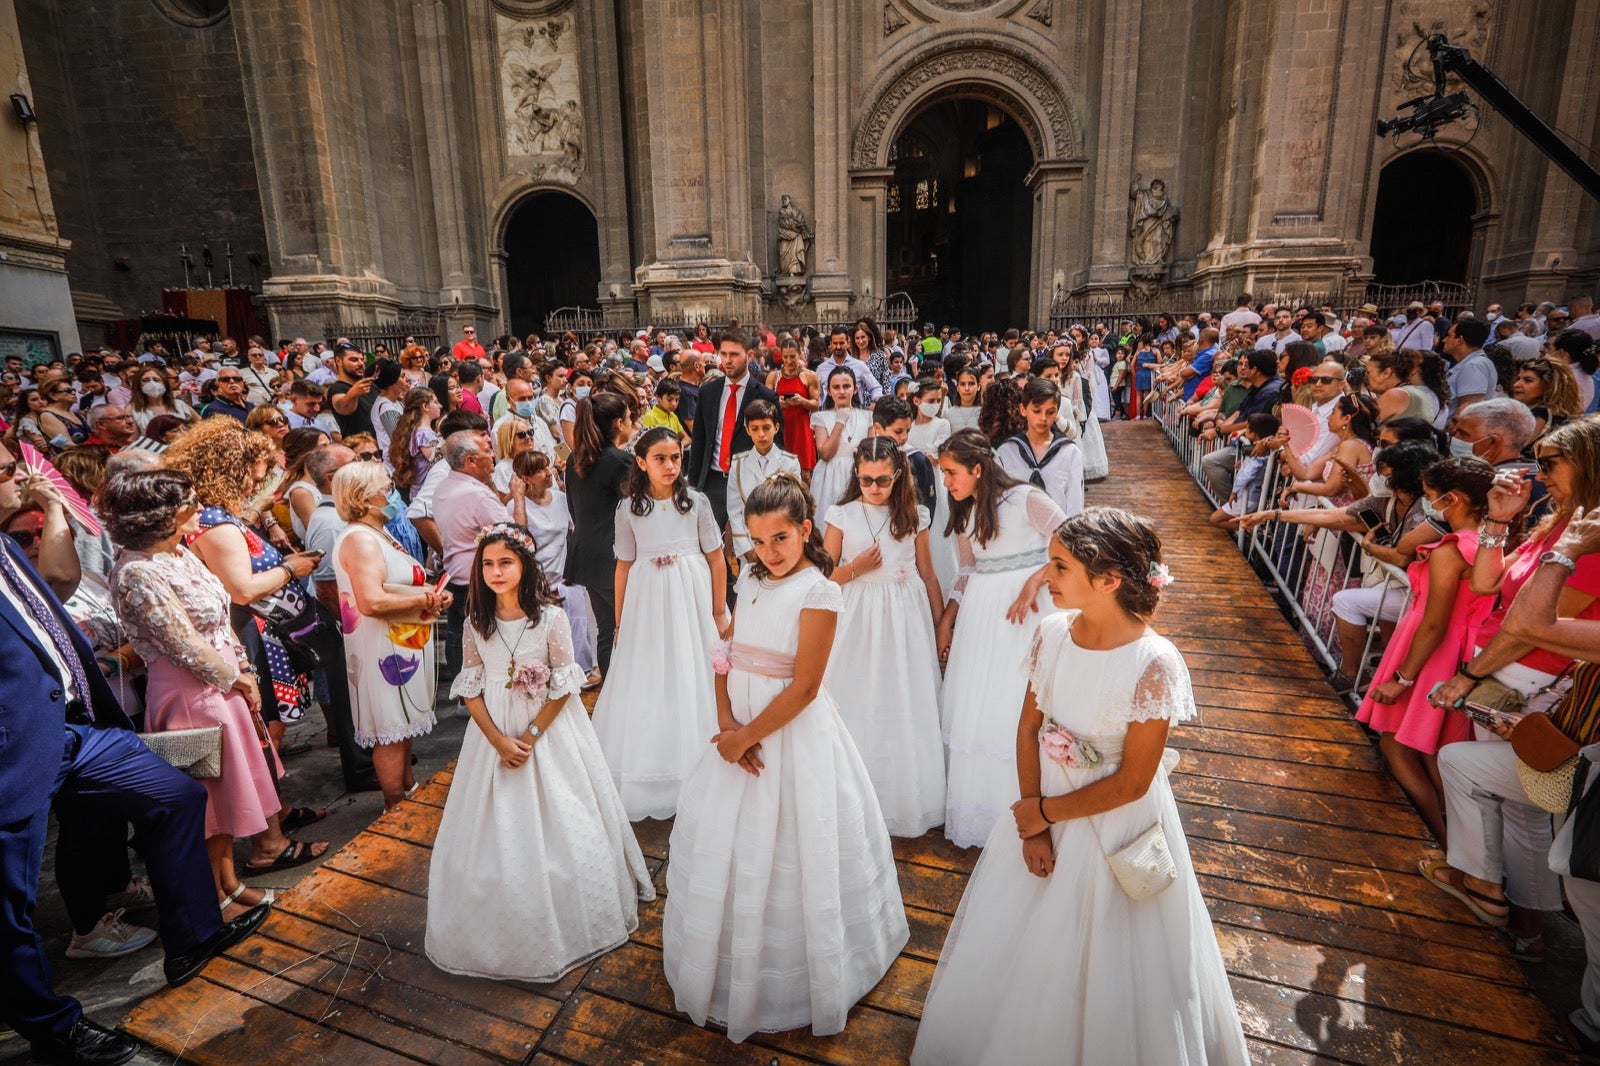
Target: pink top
<point>463,507</point>
<point>1519,569</point>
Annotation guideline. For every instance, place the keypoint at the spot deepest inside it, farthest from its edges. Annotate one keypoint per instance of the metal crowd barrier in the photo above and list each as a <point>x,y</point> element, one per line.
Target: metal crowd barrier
<point>1306,565</point>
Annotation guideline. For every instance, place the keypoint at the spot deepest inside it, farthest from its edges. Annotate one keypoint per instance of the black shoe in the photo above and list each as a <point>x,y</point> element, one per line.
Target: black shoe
<point>181,968</point>
<point>86,1043</point>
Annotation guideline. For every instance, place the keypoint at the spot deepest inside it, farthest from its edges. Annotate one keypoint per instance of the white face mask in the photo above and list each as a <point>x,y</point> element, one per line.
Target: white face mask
<point>1378,485</point>
<point>153,389</point>
<point>930,408</point>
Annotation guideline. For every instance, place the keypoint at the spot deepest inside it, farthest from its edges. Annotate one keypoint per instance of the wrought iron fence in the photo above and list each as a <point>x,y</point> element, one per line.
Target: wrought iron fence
<point>420,326</point>
<point>1308,566</point>
<point>896,311</point>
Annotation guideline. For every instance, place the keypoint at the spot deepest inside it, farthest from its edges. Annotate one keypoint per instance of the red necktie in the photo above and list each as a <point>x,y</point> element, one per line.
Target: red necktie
<point>730,419</point>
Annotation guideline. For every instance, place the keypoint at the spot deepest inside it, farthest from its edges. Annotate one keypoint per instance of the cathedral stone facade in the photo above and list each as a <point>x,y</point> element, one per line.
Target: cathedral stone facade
<point>793,160</point>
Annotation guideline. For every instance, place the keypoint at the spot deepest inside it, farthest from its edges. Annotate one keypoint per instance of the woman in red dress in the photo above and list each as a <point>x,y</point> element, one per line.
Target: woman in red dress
<point>799,394</point>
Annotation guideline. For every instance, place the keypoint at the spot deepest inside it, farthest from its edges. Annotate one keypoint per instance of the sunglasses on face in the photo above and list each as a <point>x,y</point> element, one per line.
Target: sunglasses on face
<point>190,502</point>
<point>25,538</point>
<point>367,457</point>
<point>228,381</point>
<point>876,482</point>
<point>524,434</point>
<point>1547,462</point>
<point>1323,380</point>
<point>276,423</point>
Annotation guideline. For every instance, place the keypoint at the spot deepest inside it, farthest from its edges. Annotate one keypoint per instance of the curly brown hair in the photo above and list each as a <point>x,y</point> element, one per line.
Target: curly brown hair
<point>217,454</point>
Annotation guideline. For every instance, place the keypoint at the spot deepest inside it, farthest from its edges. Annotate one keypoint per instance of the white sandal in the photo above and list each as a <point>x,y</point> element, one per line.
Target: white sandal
<point>267,897</point>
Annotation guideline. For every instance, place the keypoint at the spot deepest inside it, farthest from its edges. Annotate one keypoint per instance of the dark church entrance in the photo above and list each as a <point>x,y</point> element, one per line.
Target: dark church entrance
<point>960,224</point>
<point>1422,224</point>
<point>552,248</point>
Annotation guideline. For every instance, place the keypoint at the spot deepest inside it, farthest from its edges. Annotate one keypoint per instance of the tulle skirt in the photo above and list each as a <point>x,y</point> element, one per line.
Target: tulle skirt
<point>783,906</point>
<point>658,708</point>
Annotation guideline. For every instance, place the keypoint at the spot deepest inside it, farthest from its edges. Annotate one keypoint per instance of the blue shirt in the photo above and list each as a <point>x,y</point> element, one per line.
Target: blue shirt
<point>1202,366</point>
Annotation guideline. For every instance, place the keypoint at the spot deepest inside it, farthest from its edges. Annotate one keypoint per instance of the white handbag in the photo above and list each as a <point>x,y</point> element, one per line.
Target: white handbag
<point>1144,868</point>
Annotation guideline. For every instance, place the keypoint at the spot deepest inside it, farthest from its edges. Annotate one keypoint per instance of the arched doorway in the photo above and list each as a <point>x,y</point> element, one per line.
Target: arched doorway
<point>1422,220</point>
<point>552,250</point>
<point>960,218</point>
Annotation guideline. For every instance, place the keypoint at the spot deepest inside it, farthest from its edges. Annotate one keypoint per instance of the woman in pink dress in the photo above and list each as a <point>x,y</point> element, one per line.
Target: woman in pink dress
<point>175,612</point>
<point>1431,639</point>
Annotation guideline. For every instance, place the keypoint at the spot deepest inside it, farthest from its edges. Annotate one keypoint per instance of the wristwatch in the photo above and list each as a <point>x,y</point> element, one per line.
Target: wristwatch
<point>535,732</point>
<point>1402,679</point>
<point>1560,560</point>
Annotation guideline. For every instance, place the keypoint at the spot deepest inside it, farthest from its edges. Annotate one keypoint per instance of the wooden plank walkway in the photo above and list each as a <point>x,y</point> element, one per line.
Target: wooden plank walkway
<point>1306,850</point>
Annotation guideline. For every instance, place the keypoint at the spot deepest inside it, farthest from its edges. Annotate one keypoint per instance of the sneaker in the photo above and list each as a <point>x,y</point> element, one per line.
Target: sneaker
<point>110,938</point>
<point>137,895</point>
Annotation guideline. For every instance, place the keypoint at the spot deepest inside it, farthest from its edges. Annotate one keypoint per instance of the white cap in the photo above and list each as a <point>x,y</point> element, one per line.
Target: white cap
<point>655,363</point>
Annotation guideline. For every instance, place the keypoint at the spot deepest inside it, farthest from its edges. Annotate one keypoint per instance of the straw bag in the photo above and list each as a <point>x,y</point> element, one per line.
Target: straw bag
<point>1547,753</point>
<point>197,752</point>
<point>1144,868</point>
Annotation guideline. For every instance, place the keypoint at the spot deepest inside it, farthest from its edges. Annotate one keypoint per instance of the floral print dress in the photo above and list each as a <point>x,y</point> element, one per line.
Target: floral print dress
<point>390,661</point>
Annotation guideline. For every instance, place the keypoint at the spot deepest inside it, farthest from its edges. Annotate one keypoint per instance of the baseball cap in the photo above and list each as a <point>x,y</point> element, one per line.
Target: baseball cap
<point>655,363</point>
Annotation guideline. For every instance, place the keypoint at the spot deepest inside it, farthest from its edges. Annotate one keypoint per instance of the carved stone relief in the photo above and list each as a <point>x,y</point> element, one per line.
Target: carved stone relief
<point>1044,12</point>
<point>539,89</point>
<point>1463,22</point>
<point>893,20</point>
<point>1008,66</point>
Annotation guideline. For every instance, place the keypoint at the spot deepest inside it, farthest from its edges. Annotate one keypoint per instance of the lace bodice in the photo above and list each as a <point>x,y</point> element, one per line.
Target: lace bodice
<point>1028,518</point>
<point>487,661</point>
<point>172,606</point>
<point>1099,693</point>
<point>768,615</point>
<point>664,532</point>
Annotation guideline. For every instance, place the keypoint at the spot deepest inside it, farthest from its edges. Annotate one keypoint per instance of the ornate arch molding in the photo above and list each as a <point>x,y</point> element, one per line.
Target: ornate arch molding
<point>513,195</point>
<point>1008,76</point>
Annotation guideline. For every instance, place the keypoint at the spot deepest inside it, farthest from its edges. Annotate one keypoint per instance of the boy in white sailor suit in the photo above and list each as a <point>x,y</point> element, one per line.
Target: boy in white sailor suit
<point>751,468</point>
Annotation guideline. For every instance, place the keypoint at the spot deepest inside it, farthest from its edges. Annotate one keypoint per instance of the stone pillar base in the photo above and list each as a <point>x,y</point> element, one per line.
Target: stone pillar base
<point>305,304</point>
<point>695,290</point>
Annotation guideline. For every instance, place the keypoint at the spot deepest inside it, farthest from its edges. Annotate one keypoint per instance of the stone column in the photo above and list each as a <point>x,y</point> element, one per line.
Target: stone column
<point>701,263</point>
<point>869,224</point>
<point>1057,190</point>
<point>830,256</point>
<point>292,53</point>
<point>34,294</point>
<point>1113,162</point>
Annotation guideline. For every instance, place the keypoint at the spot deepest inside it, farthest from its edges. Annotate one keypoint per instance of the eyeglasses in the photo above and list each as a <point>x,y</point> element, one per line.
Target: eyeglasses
<point>1323,379</point>
<point>227,381</point>
<point>276,423</point>
<point>469,331</point>
<point>8,470</point>
<point>1547,462</point>
<point>25,538</point>
<point>524,434</point>
<point>368,457</point>
<point>191,502</point>
<point>879,482</point>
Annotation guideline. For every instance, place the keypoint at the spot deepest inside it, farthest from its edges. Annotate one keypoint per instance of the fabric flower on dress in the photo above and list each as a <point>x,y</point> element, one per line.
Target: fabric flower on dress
<point>349,617</point>
<point>530,680</point>
<point>664,561</point>
<point>397,670</point>
<point>722,657</point>
<point>1060,745</point>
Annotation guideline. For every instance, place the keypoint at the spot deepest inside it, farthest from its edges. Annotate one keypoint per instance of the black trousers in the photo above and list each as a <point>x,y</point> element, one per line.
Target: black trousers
<point>455,626</point>
<point>603,601</point>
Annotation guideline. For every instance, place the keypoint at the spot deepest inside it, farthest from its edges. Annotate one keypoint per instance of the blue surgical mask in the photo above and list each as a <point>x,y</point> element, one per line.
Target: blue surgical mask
<point>1464,449</point>
<point>525,408</point>
<point>1431,511</point>
<point>390,511</point>
<point>581,391</point>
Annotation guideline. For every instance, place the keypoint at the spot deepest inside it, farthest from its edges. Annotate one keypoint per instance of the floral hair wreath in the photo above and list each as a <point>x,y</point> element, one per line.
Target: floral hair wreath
<point>1159,576</point>
<point>511,532</point>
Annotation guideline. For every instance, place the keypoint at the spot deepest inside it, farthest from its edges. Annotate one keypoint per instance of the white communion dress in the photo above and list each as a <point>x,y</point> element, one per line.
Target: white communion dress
<point>830,476</point>
<point>658,706</point>
<point>885,667</point>
<point>783,905</point>
<point>535,870</point>
<point>983,692</point>
<point>1067,970</point>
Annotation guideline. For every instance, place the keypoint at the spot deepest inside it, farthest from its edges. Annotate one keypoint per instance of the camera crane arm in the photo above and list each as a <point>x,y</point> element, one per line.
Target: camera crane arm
<point>1431,112</point>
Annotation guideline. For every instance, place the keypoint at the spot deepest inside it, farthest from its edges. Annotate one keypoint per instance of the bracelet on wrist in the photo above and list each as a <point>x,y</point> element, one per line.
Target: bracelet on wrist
<point>1043,815</point>
<point>1402,679</point>
<point>1497,522</point>
<point>1466,672</point>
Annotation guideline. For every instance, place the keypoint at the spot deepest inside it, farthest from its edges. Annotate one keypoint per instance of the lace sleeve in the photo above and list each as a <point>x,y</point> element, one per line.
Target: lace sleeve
<point>1039,665</point>
<point>1043,514</point>
<point>566,676</point>
<point>469,682</point>
<point>159,624</point>
<point>966,563</point>
<point>706,525</point>
<point>626,544</point>
<point>823,596</point>
<point>1163,690</point>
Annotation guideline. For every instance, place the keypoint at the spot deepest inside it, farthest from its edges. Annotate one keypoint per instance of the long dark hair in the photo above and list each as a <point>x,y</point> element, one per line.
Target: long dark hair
<point>981,510</point>
<point>827,395</point>
<point>595,420</point>
<point>533,593</point>
<point>784,495</point>
<point>902,498</point>
<point>637,487</point>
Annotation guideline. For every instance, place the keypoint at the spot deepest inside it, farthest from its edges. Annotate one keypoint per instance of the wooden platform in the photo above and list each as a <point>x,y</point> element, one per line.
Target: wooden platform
<point>1307,851</point>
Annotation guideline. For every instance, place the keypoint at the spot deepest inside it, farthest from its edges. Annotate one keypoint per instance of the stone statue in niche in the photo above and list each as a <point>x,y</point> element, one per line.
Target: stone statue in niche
<point>1152,222</point>
<point>794,238</point>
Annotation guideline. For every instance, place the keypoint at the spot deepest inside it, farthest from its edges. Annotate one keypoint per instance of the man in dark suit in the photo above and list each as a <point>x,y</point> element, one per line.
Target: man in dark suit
<point>719,432</point>
<point>65,741</point>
